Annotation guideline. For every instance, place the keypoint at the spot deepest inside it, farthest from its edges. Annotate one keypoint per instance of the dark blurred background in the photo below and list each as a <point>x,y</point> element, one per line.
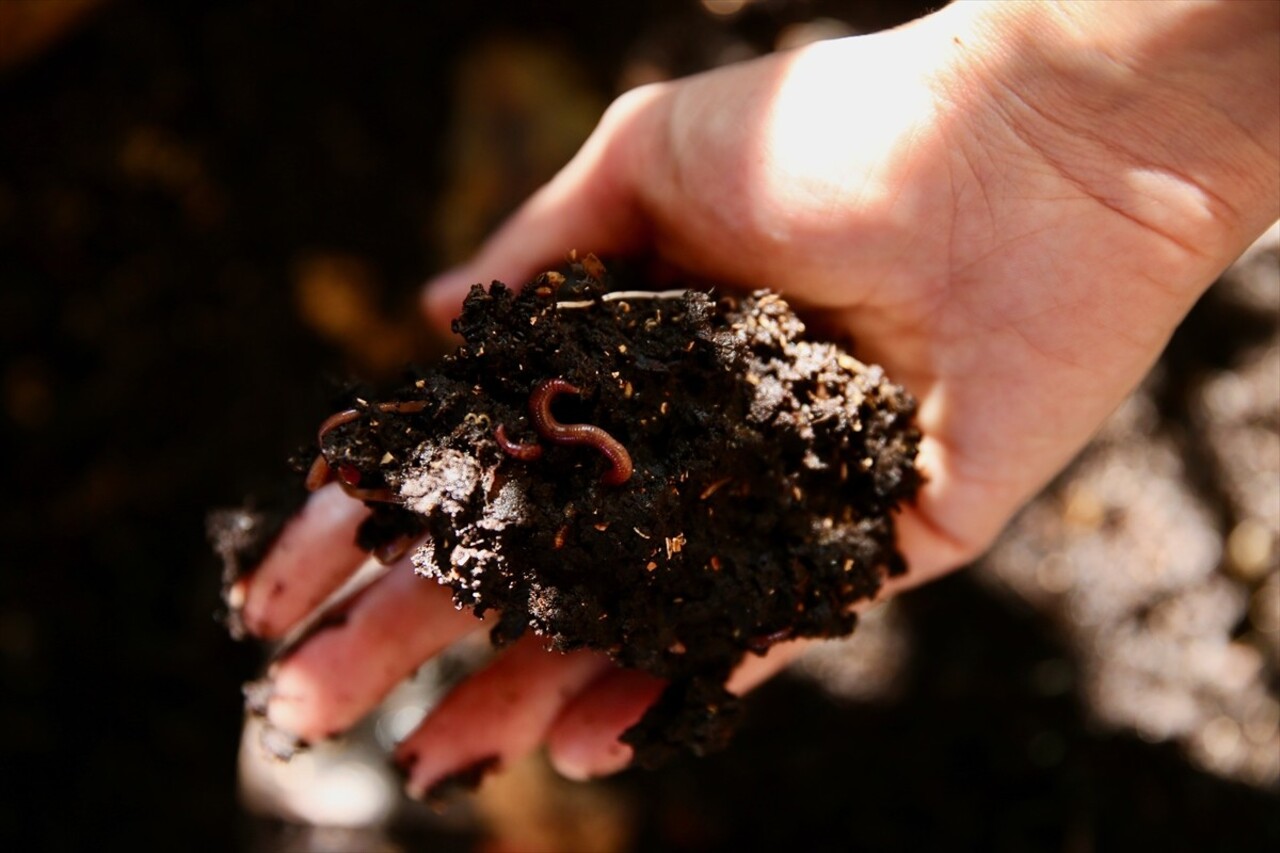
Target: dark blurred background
<point>211,211</point>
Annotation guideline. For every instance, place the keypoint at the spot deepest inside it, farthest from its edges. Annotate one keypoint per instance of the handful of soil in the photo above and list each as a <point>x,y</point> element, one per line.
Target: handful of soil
<point>669,478</point>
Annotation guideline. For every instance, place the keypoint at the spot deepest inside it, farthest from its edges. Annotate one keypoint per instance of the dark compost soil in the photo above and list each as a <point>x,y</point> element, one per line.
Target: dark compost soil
<point>669,478</point>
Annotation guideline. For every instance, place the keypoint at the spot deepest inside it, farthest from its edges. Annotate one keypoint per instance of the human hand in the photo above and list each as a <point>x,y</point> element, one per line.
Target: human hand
<point>1009,209</point>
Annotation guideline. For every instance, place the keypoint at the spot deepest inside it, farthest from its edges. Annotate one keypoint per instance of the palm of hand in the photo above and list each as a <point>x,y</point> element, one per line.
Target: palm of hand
<point>935,222</point>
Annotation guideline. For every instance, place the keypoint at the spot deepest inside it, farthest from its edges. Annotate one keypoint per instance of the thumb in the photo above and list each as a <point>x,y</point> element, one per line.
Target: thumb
<point>590,206</point>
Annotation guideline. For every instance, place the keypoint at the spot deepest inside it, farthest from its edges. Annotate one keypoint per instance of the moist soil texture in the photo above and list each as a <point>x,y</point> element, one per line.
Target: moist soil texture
<point>674,479</point>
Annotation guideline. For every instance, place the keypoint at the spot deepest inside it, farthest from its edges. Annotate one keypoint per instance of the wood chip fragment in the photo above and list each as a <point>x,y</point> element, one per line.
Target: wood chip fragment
<point>713,488</point>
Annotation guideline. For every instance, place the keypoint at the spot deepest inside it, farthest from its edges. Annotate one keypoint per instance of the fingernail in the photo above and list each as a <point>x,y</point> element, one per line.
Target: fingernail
<point>281,744</point>
<point>257,696</point>
<point>581,766</point>
<point>237,593</point>
<point>466,778</point>
<point>234,596</point>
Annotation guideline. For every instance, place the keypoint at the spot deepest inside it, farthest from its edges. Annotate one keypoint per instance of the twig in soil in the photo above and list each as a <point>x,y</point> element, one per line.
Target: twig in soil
<point>619,295</point>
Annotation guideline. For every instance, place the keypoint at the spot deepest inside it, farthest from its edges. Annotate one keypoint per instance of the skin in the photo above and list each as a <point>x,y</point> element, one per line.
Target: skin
<point>1008,205</point>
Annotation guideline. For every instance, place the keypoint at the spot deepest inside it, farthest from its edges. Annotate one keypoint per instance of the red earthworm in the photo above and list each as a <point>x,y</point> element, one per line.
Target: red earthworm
<point>589,434</point>
<point>526,452</point>
<point>334,421</point>
<point>349,477</point>
<point>318,474</point>
<point>346,416</point>
<point>321,472</point>
<point>406,407</point>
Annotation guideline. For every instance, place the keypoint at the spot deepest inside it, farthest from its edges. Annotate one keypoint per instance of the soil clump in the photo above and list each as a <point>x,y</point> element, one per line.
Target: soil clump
<point>672,479</point>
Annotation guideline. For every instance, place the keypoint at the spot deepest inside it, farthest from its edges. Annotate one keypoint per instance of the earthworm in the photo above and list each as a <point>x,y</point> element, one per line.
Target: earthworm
<point>318,474</point>
<point>405,407</point>
<point>589,434</point>
<point>321,472</point>
<point>349,477</point>
<point>526,452</point>
<point>334,421</point>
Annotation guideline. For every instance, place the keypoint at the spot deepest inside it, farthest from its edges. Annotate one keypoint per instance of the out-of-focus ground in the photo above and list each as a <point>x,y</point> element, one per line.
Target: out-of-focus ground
<point>205,209</point>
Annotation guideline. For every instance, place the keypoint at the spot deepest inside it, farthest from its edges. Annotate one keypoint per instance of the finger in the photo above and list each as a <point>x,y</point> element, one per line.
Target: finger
<point>590,206</point>
<point>496,716</point>
<point>701,170</point>
<point>315,553</point>
<point>939,532</point>
<point>583,742</point>
<point>757,669</point>
<point>351,661</point>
